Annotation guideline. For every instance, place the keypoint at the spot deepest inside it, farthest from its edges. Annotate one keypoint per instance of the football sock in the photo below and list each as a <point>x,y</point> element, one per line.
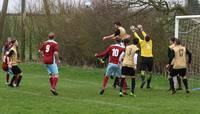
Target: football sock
<point>122,85</point>
<point>19,80</point>
<point>179,82</point>
<point>7,77</point>
<point>55,80</point>
<point>13,79</point>
<point>149,81</point>
<point>105,81</point>
<point>51,81</point>
<point>116,82</point>
<point>171,82</point>
<point>143,78</point>
<point>133,85</point>
<point>185,82</point>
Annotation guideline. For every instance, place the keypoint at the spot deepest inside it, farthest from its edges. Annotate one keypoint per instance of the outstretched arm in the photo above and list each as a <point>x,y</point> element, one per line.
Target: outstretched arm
<point>103,54</point>
<point>133,29</point>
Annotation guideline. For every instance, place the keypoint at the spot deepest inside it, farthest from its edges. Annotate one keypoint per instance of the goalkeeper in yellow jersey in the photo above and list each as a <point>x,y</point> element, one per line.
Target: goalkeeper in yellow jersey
<point>146,55</point>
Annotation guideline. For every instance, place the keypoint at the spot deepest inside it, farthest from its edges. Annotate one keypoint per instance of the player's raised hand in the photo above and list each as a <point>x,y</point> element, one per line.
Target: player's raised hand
<point>132,28</point>
<point>140,27</point>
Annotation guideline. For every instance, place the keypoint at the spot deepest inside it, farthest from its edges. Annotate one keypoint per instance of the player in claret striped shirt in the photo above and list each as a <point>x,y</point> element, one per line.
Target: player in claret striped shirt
<point>49,51</point>
<point>114,52</point>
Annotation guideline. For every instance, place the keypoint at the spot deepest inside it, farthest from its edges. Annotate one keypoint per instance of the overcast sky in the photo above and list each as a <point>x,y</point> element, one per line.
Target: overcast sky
<point>14,5</point>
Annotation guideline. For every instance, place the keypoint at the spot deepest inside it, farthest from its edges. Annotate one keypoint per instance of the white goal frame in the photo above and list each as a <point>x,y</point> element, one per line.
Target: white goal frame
<point>177,18</point>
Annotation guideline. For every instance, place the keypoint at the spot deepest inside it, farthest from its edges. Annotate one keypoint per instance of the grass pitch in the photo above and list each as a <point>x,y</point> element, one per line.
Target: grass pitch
<point>79,94</point>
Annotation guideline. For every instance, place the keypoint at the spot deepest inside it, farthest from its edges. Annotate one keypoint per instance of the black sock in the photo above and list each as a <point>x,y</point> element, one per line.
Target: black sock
<point>121,83</point>
<point>185,82</point>
<point>171,82</point>
<point>149,81</point>
<point>143,78</point>
<point>19,80</point>
<point>179,82</point>
<point>13,79</point>
<point>133,85</point>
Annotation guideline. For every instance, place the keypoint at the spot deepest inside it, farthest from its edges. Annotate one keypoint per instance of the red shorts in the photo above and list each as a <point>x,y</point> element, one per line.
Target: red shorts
<point>5,67</point>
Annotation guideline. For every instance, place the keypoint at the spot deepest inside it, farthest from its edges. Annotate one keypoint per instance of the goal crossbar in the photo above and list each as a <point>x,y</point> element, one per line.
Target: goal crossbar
<point>177,18</point>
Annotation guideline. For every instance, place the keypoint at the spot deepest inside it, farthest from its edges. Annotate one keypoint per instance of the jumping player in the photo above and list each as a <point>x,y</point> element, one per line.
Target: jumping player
<point>49,51</point>
<point>120,32</point>
<point>146,54</point>
<point>113,68</point>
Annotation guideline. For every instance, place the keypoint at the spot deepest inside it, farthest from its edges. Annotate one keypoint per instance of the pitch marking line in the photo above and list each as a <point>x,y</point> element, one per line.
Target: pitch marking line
<point>79,100</point>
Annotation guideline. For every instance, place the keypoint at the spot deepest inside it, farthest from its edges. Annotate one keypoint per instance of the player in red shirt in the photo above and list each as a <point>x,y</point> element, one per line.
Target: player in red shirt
<point>6,66</point>
<point>49,51</point>
<point>114,52</point>
<point>5,49</point>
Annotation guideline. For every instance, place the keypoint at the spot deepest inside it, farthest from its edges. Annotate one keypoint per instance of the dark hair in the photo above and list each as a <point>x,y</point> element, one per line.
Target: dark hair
<point>117,23</point>
<point>173,39</point>
<point>178,41</point>
<point>135,41</point>
<point>147,38</point>
<point>13,41</point>
<point>118,39</point>
<point>126,41</point>
<point>51,35</point>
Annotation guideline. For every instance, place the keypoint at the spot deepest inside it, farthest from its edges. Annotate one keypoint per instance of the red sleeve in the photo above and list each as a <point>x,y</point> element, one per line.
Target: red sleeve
<point>106,52</point>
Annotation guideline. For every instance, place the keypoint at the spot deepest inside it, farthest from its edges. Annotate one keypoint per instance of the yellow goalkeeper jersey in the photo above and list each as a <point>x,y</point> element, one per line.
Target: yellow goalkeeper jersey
<point>146,47</point>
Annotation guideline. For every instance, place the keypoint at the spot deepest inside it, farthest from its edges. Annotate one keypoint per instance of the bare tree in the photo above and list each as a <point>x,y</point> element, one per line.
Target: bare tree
<point>48,13</point>
<point>23,29</point>
<point>3,15</point>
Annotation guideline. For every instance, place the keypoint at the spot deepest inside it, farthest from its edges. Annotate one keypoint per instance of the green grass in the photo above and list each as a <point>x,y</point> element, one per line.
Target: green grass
<point>79,94</point>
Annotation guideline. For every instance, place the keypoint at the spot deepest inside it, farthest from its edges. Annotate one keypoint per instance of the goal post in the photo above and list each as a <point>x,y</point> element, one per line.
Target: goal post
<point>187,28</point>
<point>177,18</point>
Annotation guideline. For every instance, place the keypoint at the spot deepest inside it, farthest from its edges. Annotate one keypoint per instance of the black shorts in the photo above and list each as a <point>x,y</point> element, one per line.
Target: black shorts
<point>176,72</point>
<point>16,70</point>
<point>147,63</point>
<point>128,71</point>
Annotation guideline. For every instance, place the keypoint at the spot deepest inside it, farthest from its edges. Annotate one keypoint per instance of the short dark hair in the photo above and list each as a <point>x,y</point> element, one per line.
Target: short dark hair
<point>13,41</point>
<point>51,35</point>
<point>126,41</point>
<point>147,38</point>
<point>135,41</point>
<point>118,39</point>
<point>178,41</point>
<point>173,39</point>
<point>117,23</point>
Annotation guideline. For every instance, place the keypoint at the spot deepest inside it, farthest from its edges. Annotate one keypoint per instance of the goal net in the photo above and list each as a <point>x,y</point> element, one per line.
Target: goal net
<point>187,28</point>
